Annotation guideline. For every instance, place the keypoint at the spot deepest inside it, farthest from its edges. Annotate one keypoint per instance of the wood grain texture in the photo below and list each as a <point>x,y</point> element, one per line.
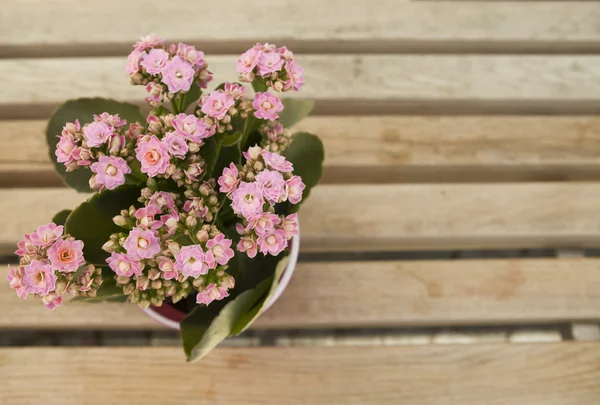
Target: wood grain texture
<point>332,80</point>
<point>311,25</point>
<point>385,149</point>
<point>394,217</point>
<point>494,374</point>
<point>379,294</point>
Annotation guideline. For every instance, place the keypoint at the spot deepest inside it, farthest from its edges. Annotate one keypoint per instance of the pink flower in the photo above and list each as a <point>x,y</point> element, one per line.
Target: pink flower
<point>295,76</point>
<point>210,293</point>
<point>153,155</point>
<point>247,244</point>
<point>176,144</point>
<point>229,180</point>
<point>247,199</point>
<point>269,62</point>
<point>167,267</point>
<point>170,222</point>
<point>191,261</point>
<point>191,127</point>
<point>25,246</point>
<point>263,222</point>
<point>124,265</point>
<point>189,53</point>
<point>195,205</point>
<point>253,153</point>
<point>113,121</point>
<point>248,60</point>
<point>271,183</point>
<point>45,235</point>
<point>221,249</point>
<point>38,278</point>
<point>217,104</point>
<point>52,301</point>
<point>290,226</point>
<point>178,75</point>
<point>97,133</point>
<point>277,162</point>
<point>267,106</point>
<point>142,244</point>
<point>110,171</point>
<point>161,199</point>
<point>294,187</point>
<point>155,93</point>
<point>146,217</point>
<point>235,90</point>
<point>15,279</point>
<point>64,149</point>
<point>133,61</point>
<point>273,242</point>
<point>66,255</point>
<point>154,61</point>
<point>149,41</point>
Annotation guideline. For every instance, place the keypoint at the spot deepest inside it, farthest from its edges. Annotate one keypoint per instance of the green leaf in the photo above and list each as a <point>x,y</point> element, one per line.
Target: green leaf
<point>294,111</point>
<point>306,153</point>
<point>91,222</point>
<point>210,154</point>
<point>191,96</point>
<point>61,217</point>
<point>227,155</point>
<point>232,139</point>
<point>83,109</point>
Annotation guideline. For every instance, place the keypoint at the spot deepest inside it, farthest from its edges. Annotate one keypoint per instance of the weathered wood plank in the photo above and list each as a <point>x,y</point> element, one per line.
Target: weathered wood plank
<point>494,374</point>
<point>385,149</point>
<point>413,293</point>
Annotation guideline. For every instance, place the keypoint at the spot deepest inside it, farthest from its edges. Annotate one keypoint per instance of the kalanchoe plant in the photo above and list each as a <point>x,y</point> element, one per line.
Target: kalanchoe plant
<point>194,205</point>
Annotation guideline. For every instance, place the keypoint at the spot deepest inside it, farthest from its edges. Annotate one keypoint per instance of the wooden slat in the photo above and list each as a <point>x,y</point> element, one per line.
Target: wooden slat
<point>379,294</point>
<point>386,149</point>
<point>492,374</point>
<point>395,217</point>
<point>30,28</point>
<point>366,83</point>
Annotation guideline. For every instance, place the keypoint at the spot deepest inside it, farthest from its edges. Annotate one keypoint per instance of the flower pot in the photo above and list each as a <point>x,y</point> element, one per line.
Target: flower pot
<point>171,316</point>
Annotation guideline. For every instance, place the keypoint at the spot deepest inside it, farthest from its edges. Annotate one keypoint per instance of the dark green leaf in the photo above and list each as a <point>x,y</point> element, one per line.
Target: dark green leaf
<point>227,155</point>
<point>232,139</point>
<point>294,111</point>
<point>259,85</point>
<point>210,154</point>
<point>306,153</point>
<point>84,109</point>
<point>191,96</point>
<point>61,217</point>
<point>91,222</point>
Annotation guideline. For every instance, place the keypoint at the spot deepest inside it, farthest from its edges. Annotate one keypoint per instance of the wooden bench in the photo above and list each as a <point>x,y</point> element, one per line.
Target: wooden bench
<point>449,127</point>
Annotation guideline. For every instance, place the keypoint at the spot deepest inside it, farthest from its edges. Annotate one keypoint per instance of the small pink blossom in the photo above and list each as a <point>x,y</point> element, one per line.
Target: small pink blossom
<point>15,279</point>
<point>235,90</point>
<point>153,156</point>
<point>142,244</point>
<point>124,265</point>
<point>52,301</point>
<point>248,244</point>
<point>178,75</point>
<point>146,217</point>
<point>294,187</point>
<point>190,127</point>
<point>133,61</point>
<point>267,106</point>
<point>155,93</point>
<point>197,206</point>
<point>38,278</point>
<point>149,41</point>
<point>111,120</point>
<point>271,183</point>
<point>193,171</point>
<point>272,242</point>
<point>253,153</point>
<point>135,130</point>
<point>176,144</point>
<point>170,222</point>
<point>161,199</point>
<point>248,60</point>
<point>210,293</point>
<point>64,149</point>
<point>295,75</point>
<point>189,53</point>
<point>191,261</point>
<point>154,61</point>
<point>166,265</point>
<point>25,246</point>
<point>263,222</point>
<point>45,235</point>
<point>217,104</point>
<point>269,62</point>
<point>247,199</point>
<point>290,225</point>
<point>66,255</point>
<point>97,133</point>
<point>221,249</point>
<point>229,179</point>
<point>110,171</point>
<point>277,162</point>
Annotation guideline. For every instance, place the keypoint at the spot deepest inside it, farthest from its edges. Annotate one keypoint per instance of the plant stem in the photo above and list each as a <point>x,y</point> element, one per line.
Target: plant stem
<point>221,202</point>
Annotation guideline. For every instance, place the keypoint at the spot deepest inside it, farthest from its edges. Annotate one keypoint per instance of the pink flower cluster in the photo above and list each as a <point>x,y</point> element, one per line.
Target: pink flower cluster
<point>48,262</point>
<point>265,180</point>
<point>275,67</point>
<point>166,69</point>
<point>218,108</point>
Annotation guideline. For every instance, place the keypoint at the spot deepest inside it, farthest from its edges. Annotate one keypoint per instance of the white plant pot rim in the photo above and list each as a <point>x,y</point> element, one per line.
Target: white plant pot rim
<point>283,283</point>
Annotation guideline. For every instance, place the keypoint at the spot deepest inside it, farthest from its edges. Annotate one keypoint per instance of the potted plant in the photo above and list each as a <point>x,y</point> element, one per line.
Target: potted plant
<point>193,216</point>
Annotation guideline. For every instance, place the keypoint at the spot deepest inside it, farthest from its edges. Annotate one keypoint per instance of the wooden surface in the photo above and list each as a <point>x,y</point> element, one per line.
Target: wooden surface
<point>491,374</point>
<point>380,294</point>
<point>366,83</point>
<point>387,149</point>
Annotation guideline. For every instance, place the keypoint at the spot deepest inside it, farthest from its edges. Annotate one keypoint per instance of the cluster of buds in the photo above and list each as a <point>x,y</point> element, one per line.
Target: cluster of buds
<point>275,67</point>
<point>169,249</point>
<point>275,137</point>
<point>166,70</point>
<point>105,146</point>
<point>52,264</point>
<point>265,179</point>
<point>218,108</point>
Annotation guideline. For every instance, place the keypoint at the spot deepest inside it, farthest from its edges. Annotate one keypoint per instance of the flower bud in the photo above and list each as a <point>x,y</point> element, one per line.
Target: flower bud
<point>205,189</point>
<point>92,182</point>
<point>198,282</point>
<point>71,166</point>
<point>278,86</point>
<point>142,283</point>
<point>110,246</point>
<point>173,247</point>
<point>114,145</point>
<point>120,220</point>
<point>213,200</point>
<point>168,119</point>
<point>193,147</point>
<point>254,152</point>
<point>122,280</point>
<point>191,221</point>
<point>155,301</point>
<point>129,288</point>
<point>154,274</point>
<point>258,166</point>
<point>156,284</point>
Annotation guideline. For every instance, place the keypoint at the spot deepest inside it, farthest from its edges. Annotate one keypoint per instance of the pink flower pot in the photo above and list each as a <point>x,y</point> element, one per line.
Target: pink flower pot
<point>171,317</point>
